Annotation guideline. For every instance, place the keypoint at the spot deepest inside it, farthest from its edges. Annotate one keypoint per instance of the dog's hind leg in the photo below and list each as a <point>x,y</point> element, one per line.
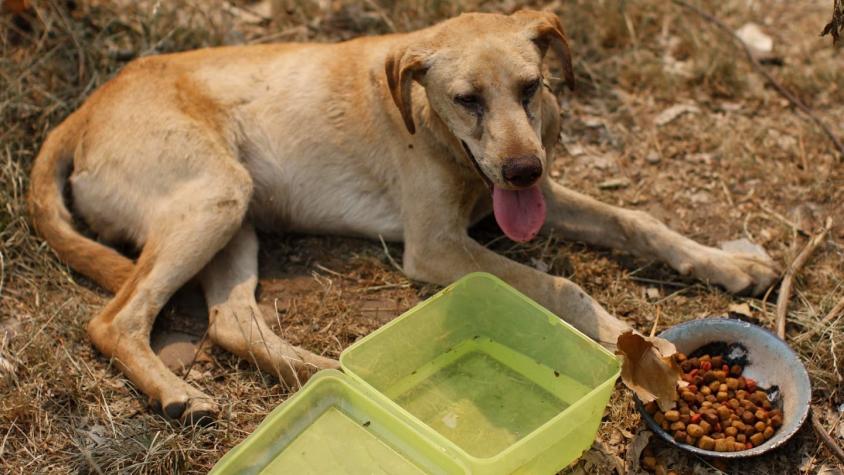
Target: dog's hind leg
<point>236,323</point>
<point>197,219</point>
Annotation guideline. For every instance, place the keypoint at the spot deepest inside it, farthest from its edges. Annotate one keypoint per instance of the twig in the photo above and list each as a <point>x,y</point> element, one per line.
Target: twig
<point>390,257</point>
<point>761,70</point>
<point>827,439</point>
<point>836,310</point>
<point>656,322</point>
<point>793,269</point>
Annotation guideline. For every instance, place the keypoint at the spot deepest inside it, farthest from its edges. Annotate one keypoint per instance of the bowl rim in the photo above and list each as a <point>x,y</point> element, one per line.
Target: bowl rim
<point>778,440</point>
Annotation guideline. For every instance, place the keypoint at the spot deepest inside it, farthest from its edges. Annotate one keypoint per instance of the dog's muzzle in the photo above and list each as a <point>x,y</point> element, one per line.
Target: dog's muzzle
<point>477,165</point>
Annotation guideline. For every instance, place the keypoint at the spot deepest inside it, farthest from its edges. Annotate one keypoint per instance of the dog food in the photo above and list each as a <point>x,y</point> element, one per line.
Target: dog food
<point>719,409</point>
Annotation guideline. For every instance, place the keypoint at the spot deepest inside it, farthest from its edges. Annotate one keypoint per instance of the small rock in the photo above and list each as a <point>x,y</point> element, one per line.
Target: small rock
<point>539,265</point>
<point>701,197</point>
<point>575,149</point>
<point>702,158</point>
<point>653,157</point>
<point>592,121</point>
<point>653,293</point>
<point>600,162</point>
<point>614,184</point>
<point>755,38</point>
<point>675,111</point>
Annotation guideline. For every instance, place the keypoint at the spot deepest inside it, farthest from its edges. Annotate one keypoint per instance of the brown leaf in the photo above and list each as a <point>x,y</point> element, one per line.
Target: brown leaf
<point>648,369</point>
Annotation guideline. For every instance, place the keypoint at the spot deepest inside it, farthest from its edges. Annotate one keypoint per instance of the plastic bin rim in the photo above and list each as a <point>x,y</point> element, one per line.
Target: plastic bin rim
<point>447,289</point>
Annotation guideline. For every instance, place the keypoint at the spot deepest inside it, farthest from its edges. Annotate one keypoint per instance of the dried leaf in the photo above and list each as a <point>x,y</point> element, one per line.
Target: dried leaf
<point>634,450</point>
<point>648,369</point>
<point>740,308</point>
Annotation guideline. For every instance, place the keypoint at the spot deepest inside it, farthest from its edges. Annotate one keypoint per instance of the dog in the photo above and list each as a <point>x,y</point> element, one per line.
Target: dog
<point>414,137</point>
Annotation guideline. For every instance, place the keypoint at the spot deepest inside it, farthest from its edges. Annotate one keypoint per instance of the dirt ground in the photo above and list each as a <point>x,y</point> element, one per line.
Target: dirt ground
<point>740,162</point>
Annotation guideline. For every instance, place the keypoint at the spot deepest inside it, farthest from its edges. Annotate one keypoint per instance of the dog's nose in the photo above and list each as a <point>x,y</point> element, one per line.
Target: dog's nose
<point>522,171</point>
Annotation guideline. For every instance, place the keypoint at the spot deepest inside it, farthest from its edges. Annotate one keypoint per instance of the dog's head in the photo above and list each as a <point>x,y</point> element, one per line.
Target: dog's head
<point>482,75</point>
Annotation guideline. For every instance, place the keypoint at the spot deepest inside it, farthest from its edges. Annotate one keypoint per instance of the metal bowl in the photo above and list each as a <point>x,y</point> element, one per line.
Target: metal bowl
<point>769,361</point>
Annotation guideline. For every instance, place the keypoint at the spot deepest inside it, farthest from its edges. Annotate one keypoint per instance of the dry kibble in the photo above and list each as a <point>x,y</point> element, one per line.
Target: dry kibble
<point>747,417</point>
<point>694,430</point>
<point>649,462</point>
<point>719,409</point>
<point>768,433</point>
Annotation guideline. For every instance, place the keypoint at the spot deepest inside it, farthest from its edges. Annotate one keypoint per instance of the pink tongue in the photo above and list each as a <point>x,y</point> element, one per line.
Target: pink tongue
<point>519,213</point>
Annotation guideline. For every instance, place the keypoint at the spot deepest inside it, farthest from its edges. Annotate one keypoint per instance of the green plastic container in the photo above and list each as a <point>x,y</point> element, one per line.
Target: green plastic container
<point>477,379</point>
<point>331,426</point>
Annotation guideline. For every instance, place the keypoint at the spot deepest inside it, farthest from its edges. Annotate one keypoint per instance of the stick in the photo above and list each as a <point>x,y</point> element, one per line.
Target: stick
<point>826,439</point>
<point>761,70</point>
<point>836,310</point>
<point>793,269</point>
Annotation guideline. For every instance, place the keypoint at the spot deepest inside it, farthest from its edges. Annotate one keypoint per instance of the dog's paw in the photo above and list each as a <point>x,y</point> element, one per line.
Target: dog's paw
<point>738,273</point>
<point>195,409</point>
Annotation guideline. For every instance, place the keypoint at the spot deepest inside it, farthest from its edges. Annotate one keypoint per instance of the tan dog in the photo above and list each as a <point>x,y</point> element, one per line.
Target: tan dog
<point>413,137</point>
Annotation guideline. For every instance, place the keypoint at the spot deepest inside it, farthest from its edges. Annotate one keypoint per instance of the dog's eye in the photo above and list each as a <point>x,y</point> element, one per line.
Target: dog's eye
<point>470,102</point>
<point>529,90</point>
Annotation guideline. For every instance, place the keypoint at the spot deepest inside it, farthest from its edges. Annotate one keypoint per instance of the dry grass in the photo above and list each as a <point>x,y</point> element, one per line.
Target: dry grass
<point>738,168</point>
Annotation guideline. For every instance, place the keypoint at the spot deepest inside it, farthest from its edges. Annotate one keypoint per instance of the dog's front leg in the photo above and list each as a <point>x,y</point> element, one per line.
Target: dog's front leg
<point>436,204</point>
<point>447,256</point>
<point>579,217</point>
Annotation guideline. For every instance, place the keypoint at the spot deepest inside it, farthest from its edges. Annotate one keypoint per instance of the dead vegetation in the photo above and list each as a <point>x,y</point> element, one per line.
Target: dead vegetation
<point>736,162</point>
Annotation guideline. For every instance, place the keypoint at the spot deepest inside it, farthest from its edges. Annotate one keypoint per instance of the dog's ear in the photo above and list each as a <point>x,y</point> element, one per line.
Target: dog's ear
<point>403,66</point>
<point>546,30</point>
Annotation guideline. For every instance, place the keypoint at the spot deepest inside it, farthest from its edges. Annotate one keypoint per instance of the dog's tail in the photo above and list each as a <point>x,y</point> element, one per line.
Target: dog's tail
<point>52,219</point>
